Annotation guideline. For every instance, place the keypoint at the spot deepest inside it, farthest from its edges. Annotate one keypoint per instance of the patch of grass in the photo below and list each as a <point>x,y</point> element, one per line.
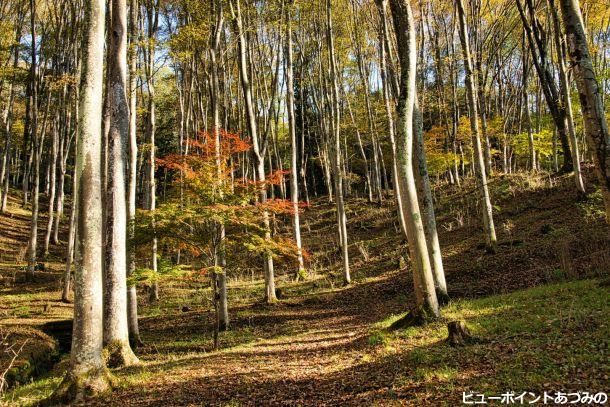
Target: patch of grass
<point>550,337</point>
<point>22,311</point>
<point>593,207</point>
<point>31,393</point>
<point>378,338</point>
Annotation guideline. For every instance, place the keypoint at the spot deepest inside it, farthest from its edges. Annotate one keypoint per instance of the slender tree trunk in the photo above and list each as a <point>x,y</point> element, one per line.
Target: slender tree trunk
<point>526,107</point>
<point>294,176</point>
<point>33,240</point>
<point>537,45</point>
<point>151,128</point>
<point>423,178</point>
<point>221,255</point>
<point>65,294</point>
<point>116,331</point>
<point>590,93</point>
<point>259,148</point>
<point>52,189</point>
<point>336,129</point>
<point>132,293</point>
<point>64,151</point>
<point>8,122</point>
<point>564,88</point>
<point>389,102</point>
<point>427,303</point>
<point>87,374</point>
<point>73,210</point>
<point>488,222</point>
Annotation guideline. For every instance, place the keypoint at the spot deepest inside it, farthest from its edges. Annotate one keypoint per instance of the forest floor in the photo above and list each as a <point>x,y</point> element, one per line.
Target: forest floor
<point>538,308</point>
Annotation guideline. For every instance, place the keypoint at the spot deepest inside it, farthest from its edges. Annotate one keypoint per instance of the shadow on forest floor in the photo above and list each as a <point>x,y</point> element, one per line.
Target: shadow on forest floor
<point>327,344</point>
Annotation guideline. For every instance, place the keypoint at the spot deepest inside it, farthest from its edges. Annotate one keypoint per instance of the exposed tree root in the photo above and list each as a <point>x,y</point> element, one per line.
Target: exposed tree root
<point>418,316</point>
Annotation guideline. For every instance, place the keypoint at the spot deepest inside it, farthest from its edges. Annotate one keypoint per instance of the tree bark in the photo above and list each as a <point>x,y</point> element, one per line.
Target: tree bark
<point>389,103</point>
<point>33,240</point>
<point>336,129</point>
<point>52,189</point>
<point>294,176</point>
<point>423,178</point>
<point>537,46</point>
<point>564,87</point>
<point>258,146</point>
<point>116,332</point>
<point>132,293</point>
<point>427,303</point>
<point>87,374</point>
<point>221,258</point>
<point>590,94</point>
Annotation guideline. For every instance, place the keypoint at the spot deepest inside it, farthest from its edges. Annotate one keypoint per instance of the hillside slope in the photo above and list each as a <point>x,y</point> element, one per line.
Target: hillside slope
<point>328,344</point>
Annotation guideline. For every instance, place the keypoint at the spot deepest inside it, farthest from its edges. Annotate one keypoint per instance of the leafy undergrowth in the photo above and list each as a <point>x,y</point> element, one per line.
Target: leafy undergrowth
<point>535,306</point>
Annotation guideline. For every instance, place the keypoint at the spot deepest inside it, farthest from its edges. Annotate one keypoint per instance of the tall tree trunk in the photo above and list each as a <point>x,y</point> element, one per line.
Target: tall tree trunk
<point>73,210</point>
<point>258,146</point>
<point>389,103</point>
<point>526,107</point>
<point>116,332</point>
<point>488,222</point>
<point>65,294</point>
<point>294,176</point>
<point>423,178</point>
<point>87,374</point>
<point>151,128</point>
<point>132,293</point>
<point>589,91</point>
<point>64,152</point>
<point>33,240</point>
<point>8,121</point>
<point>564,88</point>
<point>336,129</point>
<point>221,256</point>
<point>427,303</point>
<point>52,188</point>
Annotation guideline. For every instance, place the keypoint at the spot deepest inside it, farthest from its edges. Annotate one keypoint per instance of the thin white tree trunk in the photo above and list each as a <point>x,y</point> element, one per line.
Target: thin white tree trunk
<point>488,222</point>
<point>52,189</point>
<point>388,102</point>
<point>221,255</point>
<point>423,178</point>
<point>294,177</point>
<point>259,149</point>
<point>33,239</point>
<point>336,129</point>
<point>132,293</point>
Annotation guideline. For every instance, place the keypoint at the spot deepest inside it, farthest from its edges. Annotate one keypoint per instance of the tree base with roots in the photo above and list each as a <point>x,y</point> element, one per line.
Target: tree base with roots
<point>459,334</point>
<point>118,354</point>
<point>76,388</point>
<point>418,316</point>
